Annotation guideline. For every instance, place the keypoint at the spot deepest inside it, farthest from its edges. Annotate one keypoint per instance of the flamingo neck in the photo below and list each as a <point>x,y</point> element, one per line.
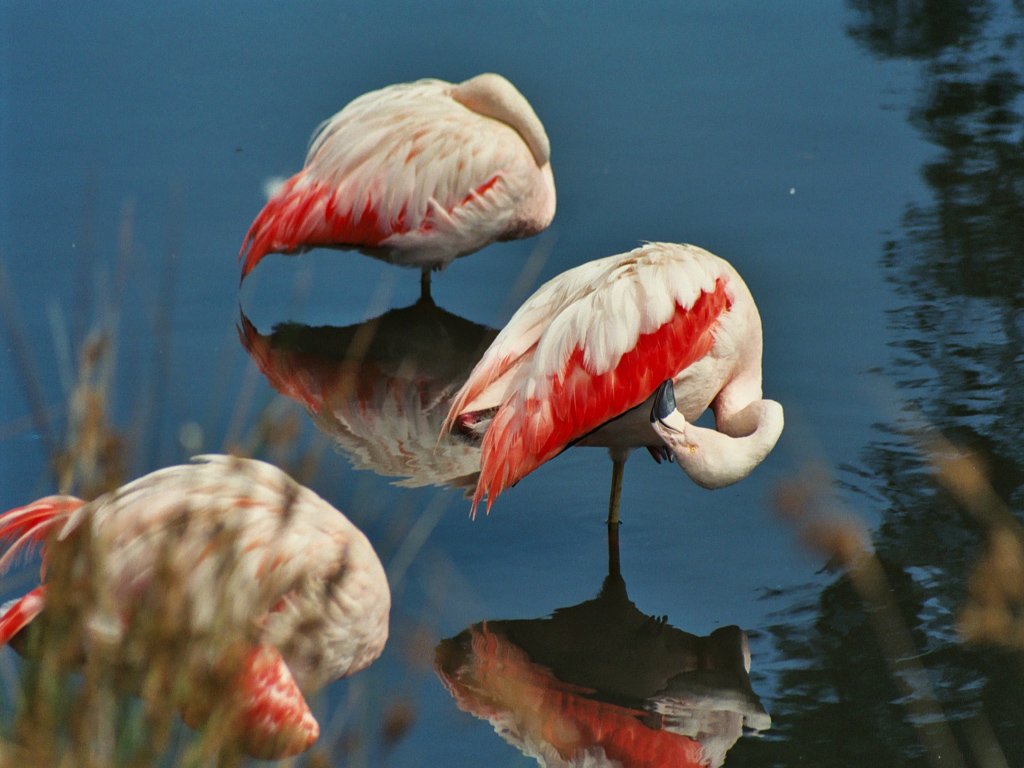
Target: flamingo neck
<point>495,97</point>
<point>717,458</point>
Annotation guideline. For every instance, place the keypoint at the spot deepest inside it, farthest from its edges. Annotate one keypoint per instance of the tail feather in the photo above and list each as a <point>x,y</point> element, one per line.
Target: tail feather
<point>26,526</point>
<point>506,457</point>
<point>305,214</point>
<point>266,235</point>
<point>15,616</point>
<point>484,374</point>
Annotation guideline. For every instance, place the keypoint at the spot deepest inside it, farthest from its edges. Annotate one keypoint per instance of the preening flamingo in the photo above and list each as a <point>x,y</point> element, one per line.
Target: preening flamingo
<point>584,359</point>
<point>255,552</point>
<point>416,174</point>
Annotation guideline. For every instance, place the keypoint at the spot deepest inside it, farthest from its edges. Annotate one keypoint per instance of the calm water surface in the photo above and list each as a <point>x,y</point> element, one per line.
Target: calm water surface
<point>860,164</point>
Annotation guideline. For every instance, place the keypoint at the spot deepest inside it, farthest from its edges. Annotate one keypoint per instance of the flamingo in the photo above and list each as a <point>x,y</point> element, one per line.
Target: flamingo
<point>622,352</point>
<point>304,585</point>
<point>416,174</point>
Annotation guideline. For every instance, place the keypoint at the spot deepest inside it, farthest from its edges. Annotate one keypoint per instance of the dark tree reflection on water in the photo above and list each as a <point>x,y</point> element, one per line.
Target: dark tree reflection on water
<point>957,269</point>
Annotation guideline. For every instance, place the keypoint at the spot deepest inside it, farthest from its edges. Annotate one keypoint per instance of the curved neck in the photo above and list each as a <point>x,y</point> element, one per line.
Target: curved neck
<point>495,97</point>
<point>717,458</point>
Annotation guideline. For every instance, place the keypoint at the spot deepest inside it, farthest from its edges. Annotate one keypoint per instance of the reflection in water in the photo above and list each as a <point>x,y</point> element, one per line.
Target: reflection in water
<point>601,683</point>
<point>381,389</point>
<point>416,174</point>
<point>220,587</point>
<point>958,269</point>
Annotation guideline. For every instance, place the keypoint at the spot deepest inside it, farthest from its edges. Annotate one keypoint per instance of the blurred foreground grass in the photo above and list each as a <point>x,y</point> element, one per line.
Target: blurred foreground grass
<point>992,614</point>
<point>85,694</point>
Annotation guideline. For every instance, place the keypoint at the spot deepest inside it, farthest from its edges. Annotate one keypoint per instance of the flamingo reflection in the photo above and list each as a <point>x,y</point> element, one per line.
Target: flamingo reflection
<point>381,389</point>
<point>601,683</point>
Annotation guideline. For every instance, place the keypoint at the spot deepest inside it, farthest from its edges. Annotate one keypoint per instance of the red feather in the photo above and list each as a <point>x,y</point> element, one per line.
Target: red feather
<point>307,215</point>
<point>18,615</point>
<point>277,720</point>
<point>525,433</point>
<point>31,524</point>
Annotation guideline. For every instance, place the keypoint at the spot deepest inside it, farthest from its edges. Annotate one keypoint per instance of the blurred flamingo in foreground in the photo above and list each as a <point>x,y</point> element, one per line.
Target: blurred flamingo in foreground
<point>256,556</point>
<point>416,174</point>
<point>622,352</point>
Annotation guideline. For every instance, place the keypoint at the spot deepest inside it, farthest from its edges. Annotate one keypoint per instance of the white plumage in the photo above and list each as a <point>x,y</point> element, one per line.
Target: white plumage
<point>594,343</point>
<point>416,174</point>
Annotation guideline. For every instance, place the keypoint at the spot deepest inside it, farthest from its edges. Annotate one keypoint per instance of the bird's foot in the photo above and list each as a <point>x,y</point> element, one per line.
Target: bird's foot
<point>660,453</point>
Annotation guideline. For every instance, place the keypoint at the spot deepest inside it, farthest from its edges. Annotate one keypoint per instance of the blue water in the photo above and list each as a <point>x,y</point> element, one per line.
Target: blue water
<point>763,132</point>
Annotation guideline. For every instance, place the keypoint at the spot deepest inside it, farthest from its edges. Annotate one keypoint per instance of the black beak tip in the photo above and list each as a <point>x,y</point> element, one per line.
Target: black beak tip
<point>664,402</point>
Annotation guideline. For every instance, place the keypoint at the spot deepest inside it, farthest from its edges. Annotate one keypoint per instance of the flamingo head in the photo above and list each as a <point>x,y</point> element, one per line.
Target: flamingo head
<point>713,458</point>
<point>664,402</point>
<point>495,97</point>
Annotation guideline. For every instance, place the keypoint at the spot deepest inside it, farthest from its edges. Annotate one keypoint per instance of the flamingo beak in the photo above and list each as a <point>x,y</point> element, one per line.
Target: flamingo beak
<point>664,402</point>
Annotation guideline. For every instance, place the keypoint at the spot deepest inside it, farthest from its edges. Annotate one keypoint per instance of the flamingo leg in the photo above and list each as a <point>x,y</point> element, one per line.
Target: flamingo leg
<point>613,549</point>
<point>613,502</point>
<point>425,284</point>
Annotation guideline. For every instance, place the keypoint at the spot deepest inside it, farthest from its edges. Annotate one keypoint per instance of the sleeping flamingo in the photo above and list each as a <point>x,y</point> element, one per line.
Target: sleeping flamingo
<point>416,174</point>
<point>622,352</point>
<point>256,553</point>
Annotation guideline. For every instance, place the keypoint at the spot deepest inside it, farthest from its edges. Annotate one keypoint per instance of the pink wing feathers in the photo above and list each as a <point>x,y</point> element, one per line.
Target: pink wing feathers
<point>508,362</point>
<point>276,721</point>
<point>17,615</point>
<point>21,529</point>
<point>279,720</point>
<point>30,525</point>
<point>588,346</point>
<point>403,168</point>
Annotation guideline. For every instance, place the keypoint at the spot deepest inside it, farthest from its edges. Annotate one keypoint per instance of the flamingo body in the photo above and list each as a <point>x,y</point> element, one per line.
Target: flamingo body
<point>300,572</point>
<point>416,174</point>
<point>590,346</point>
